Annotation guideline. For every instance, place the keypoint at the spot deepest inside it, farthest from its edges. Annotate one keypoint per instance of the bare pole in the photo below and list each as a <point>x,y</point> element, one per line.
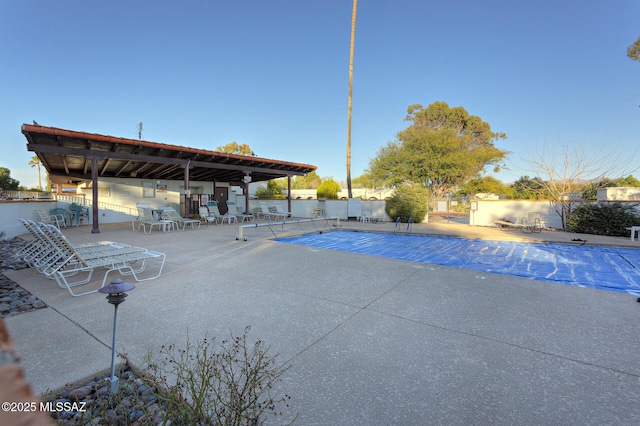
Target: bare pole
<point>349,106</point>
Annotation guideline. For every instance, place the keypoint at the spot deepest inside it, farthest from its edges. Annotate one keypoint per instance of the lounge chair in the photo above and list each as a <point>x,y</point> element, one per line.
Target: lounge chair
<point>145,217</point>
<point>215,212</point>
<point>179,221</point>
<point>531,223</point>
<point>280,210</point>
<point>52,219</point>
<point>206,216</point>
<point>233,209</point>
<point>76,263</point>
<point>266,213</point>
<point>59,260</point>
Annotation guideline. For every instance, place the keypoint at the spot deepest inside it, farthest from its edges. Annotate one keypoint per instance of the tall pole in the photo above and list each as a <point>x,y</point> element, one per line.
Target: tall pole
<point>353,39</point>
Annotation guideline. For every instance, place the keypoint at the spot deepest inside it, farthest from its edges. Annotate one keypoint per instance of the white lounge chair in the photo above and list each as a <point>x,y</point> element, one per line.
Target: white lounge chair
<point>266,212</point>
<point>215,212</point>
<point>145,217</point>
<point>280,210</point>
<point>206,216</point>
<point>179,221</point>
<point>61,260</point>
<point>233,209</point>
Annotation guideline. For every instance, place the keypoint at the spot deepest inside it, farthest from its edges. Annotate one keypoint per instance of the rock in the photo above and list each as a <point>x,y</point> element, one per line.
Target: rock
<point>80,393</point>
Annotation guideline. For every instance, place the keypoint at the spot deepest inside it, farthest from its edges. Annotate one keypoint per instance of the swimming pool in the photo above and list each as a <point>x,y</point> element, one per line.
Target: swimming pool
<point>604,268</point>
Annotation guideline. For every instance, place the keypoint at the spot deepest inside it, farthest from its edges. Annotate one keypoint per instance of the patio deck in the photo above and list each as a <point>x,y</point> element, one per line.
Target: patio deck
<point>369,340</point>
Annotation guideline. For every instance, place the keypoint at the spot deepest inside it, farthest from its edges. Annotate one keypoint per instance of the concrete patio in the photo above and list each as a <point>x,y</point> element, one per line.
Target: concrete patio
<point>370,341</point>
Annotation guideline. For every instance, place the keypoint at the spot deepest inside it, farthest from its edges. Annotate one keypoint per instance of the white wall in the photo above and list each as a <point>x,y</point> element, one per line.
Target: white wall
<point>129,191</point>
<point>490,210</point>
<point>619,194</point>
<point>12,211</point>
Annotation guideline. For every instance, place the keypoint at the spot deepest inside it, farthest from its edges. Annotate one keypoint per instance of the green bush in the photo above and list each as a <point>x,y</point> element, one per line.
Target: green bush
<point>603,219</point>
<point>272,191</point>
<point>328,189</point>
<point>408,202</point>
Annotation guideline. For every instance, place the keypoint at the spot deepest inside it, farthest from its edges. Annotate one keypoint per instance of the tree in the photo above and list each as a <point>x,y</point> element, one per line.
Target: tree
<point>328,189</point>
<point>353,39</point>
<point>629,181</point>
<point>566,170</point>
<point>8,183</point>
<point>310,181</point>
<point>273,190</point>
<point>633,51</point>
<point>485,184</point>
<point>35,162</point>
<point>443,148</point>
<point>236,148</point>
<point>408,202</point>
<point>527,188</point>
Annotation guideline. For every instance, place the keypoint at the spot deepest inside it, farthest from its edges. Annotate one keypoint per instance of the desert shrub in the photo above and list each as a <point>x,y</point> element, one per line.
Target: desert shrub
<point>408,202</point>
<point>603,219</point>
<point>328,189</point>
<point>230,383</point>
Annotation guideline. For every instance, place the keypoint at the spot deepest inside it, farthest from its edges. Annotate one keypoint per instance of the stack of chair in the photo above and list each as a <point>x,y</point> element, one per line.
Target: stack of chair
<point>51,254</point>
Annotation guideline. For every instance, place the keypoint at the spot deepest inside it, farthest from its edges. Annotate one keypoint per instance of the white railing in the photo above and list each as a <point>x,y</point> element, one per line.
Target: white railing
<point>241,235</point>
<point>83,201</point>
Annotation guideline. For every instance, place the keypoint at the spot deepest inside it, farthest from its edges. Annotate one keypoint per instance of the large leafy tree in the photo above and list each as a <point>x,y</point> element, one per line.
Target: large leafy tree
<point>6,181</point>
<point>236,148</point>
<point>633,51</point>
<point>527,188</point>
<point>484,184</point>
<point>442,149</point>
<point>309,181</point>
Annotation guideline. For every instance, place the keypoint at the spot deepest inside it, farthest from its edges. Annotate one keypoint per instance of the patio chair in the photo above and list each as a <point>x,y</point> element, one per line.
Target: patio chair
<point>79,212</point>
<point>366,216</point>
<point>319,210</point>
<point>179,221</point>
<point>206,216</point>
<point>233,209</point>
<point>50,219</point>
<point>266,213</point>
<point>280,210</point>
<point>72,262</point>
<point>215,212</point>
<point>145,217</point>
<point>66,216</point>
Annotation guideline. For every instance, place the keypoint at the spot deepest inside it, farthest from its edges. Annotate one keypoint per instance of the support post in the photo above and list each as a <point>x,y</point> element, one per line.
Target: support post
<point>187,191</point>
<point>94,192</point>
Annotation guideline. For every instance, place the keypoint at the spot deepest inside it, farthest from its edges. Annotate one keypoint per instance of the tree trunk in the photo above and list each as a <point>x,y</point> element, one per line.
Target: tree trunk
<point>353,38</point>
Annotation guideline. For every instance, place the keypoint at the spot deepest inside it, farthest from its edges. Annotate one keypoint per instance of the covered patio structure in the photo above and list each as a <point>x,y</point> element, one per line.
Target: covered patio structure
<point>71,156</point>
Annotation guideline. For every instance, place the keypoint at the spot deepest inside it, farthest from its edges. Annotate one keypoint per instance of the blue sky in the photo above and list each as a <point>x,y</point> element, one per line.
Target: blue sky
<point>274,74</point>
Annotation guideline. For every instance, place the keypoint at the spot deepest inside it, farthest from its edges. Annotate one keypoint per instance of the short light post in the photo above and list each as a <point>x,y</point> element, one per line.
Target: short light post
<point>115,295</point>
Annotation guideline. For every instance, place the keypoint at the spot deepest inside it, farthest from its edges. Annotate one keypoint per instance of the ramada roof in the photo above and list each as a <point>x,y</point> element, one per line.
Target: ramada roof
<point>68,155</point>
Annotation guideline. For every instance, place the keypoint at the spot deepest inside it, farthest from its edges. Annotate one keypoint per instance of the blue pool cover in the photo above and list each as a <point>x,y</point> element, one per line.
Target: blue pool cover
<point>605,268</point>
